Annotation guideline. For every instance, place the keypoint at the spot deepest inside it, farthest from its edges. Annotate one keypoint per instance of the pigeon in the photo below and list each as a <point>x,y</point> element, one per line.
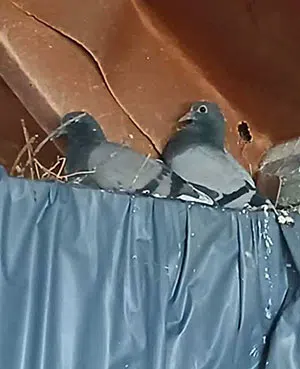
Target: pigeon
<point>279,174</point>
<point>95,162</point>
<point>197,154</point>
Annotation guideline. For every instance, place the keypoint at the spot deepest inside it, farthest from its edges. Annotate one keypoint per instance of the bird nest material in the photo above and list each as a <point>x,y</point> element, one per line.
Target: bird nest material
<point>27,159</point>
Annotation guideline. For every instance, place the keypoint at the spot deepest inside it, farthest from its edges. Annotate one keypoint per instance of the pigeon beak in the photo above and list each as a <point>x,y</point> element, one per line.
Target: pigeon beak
<point>60,131</point>
<point>188,116</point>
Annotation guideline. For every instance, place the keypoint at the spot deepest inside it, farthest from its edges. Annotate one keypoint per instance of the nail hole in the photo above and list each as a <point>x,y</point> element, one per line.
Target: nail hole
<point>244,132</point>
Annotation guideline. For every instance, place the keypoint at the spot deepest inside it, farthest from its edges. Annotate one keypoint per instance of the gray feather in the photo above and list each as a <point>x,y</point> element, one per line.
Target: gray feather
<point>197,154</point>
<point>117,167</point>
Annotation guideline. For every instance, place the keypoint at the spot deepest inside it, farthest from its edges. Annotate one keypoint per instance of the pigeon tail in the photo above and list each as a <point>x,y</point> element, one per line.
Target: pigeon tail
<point>228,198</point>
<point>186,191</point>
<point>257,201</point>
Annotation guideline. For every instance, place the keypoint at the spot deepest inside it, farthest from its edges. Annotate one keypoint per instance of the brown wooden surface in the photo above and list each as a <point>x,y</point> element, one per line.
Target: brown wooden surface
<point>137,65</point>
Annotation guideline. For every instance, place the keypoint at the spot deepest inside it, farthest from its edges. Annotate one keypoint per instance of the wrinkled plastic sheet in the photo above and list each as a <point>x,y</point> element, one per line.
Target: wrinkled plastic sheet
<point>95,280</point>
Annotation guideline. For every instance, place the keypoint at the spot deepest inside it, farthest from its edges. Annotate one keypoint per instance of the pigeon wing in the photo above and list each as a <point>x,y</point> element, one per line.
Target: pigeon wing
<point>119,167</point>
<point>214,169</point>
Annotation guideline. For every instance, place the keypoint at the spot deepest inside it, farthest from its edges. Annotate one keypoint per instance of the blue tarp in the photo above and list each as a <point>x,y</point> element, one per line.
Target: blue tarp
<point>96,280</point>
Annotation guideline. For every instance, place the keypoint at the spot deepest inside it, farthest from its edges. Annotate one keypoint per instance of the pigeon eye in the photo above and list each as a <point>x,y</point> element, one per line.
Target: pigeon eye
<point>203,109</point>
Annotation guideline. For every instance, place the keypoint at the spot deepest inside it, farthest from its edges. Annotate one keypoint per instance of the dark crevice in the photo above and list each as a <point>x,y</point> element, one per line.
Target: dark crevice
<point>244,132</point>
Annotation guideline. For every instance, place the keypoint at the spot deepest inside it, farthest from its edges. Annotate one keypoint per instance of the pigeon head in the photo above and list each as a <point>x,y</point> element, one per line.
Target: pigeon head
<point>81,127</point>
<point>206,121</point>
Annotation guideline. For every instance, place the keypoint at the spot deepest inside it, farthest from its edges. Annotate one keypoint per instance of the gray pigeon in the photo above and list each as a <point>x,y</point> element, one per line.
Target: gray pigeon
<point>116,167</point>
<point>281,166</point>
<point>197,154</point>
